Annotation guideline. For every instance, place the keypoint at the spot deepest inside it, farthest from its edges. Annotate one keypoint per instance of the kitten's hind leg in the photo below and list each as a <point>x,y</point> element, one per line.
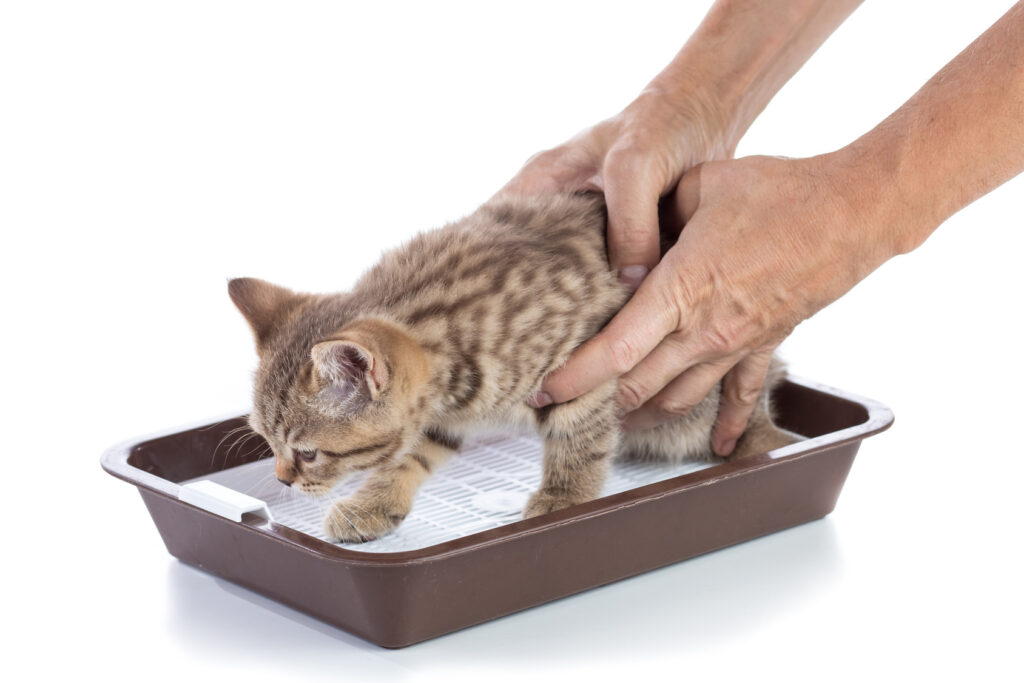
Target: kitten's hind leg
<point>762,436</point>
<point>580,438</point>
<point>386,497</point>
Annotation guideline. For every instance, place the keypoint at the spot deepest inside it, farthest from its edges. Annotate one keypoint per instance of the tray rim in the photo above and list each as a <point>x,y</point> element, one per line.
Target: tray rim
<point>879,418</point>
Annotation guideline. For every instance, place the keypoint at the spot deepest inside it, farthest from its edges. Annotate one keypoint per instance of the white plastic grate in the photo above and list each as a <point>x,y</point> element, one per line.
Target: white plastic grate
<point>484,486</point>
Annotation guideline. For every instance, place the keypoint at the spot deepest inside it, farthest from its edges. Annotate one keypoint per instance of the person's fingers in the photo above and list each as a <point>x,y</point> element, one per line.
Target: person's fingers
<point>680,396</point>
<point>668,360</point>
<point>686,197</point>
<point>631,191</point>
<point>639,327</point>
<point>679,206</point>
<point>740,391</point>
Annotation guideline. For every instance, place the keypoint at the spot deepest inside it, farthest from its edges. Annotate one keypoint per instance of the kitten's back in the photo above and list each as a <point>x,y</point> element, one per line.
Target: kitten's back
<point>503,296</point>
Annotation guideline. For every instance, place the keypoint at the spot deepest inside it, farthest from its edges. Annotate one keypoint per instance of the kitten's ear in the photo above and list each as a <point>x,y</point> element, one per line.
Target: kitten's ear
<point>350,370</point>
<point>264,305</point>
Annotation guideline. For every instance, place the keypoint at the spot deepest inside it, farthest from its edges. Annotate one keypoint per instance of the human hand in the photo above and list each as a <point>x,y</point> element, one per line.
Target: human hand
<point>767,243</point>
<point>634,157</point>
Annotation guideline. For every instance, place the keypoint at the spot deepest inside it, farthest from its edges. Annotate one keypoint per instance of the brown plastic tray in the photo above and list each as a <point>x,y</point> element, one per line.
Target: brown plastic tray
<point>400,598</point>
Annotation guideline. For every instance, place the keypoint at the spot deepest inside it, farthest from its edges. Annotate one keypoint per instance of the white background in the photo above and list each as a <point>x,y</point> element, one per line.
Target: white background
<point>148,151</point>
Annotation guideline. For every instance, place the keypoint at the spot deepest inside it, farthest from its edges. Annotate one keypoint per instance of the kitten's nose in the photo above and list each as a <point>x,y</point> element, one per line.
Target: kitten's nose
<point>286,483</point>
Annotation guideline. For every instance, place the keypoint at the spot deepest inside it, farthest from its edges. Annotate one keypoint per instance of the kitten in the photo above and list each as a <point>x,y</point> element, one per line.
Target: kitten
<point>453,330</point>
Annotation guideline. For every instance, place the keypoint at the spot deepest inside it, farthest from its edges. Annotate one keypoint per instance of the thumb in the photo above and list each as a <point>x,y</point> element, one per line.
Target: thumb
<point>686,198</point>
<point>634,245</point>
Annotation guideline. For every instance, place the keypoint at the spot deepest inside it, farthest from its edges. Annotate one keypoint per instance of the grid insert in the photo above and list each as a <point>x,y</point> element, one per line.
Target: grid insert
<point>482,487</point>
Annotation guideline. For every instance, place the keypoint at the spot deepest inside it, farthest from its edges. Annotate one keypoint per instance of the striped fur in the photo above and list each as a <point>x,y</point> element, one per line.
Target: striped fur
<point>452,330</point>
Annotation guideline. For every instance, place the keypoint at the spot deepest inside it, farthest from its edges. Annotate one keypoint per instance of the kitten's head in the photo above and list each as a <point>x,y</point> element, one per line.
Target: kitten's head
<point>335,391</point>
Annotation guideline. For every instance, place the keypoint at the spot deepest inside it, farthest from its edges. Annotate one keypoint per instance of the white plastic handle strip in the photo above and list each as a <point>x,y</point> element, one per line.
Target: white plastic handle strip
<point>220,500</point>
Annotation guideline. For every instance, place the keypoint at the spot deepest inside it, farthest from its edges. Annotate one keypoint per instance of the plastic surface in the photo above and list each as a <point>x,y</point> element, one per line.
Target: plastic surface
<point>395,599</point>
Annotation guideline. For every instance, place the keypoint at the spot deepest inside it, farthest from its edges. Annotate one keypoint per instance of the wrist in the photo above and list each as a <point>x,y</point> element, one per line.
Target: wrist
<point>880,201</point>
<point>743,53</point>
<point>692,108</point>
<point>726,94</point>
<point>709,92</point>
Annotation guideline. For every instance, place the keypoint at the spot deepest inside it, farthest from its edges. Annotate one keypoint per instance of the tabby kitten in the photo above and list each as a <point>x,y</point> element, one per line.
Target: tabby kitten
<point>453,330</point>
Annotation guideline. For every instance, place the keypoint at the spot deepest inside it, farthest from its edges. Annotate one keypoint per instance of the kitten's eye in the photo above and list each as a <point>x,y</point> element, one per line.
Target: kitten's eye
<point>308,456</point>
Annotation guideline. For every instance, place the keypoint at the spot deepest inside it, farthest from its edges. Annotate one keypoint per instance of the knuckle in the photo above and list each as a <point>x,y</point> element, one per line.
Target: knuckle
<point>630,396</point>
<point>623,355</point>
<point>673,407</point>
<point>722,339</point>
<point>626,158</point>
<point>732,417</point>
<point>629,234</point>
<point>742,394</point>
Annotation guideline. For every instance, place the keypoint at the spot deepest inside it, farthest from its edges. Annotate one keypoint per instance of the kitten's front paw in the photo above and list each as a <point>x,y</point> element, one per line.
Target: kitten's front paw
<point>352,520</point>
<point>541,503</point>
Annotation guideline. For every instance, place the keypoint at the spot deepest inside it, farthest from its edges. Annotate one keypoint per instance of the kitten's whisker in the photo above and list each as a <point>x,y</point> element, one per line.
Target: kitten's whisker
<point>350,523</point>
<point>231,446</point>
<point>216,424</point>
<point>255,448</point>
<point>227,435</point>
<point>260,483</point>
<point>364,513</point>
<point>239,444</point>
<point>240,439</point>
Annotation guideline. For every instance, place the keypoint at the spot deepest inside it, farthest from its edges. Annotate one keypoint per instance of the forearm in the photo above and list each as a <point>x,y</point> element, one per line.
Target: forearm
<point>959,137</point>
<point>744,52</point>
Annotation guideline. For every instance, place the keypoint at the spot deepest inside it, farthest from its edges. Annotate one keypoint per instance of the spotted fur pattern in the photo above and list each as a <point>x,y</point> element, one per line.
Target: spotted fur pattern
<point>451,331</point>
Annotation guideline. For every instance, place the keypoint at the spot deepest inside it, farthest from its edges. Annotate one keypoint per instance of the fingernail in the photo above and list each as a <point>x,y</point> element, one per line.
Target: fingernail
<point>633,276</point>
<point>727,448</point>
<point>540,399</point>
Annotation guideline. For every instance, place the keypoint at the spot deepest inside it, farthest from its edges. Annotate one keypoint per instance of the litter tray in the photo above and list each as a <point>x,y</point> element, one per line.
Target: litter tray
<point>463,555</point>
